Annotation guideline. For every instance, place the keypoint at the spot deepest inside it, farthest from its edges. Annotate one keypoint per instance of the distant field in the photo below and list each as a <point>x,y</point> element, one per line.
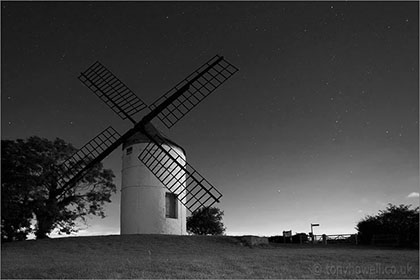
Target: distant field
<point>164,256</point>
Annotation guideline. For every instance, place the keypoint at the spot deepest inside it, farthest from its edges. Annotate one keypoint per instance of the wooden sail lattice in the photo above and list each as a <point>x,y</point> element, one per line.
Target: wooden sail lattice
<point>201,83</point>
<point>171,169</point>
<point>72,167</point>
<point>112,91</point>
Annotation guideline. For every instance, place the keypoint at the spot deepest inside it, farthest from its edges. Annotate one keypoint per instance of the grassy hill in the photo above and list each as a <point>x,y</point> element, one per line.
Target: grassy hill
<point>165,256</point>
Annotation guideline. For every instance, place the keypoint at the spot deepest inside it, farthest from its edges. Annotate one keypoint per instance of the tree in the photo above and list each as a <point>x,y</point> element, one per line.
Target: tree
<point>401,221</point>
<point>30,189</point>
<point>15,213</point>
<point>206,221</point>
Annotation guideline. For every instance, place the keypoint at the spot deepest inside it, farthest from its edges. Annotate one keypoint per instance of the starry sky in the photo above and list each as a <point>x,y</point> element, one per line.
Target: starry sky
<point>320,125</point>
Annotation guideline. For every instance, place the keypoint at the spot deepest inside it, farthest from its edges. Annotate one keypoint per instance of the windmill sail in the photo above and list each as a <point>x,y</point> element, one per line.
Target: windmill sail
<point>75,167</point>
<point>158,156</point>
<point>193,89</point>
<point>170,168</point>
<point>112,91</point>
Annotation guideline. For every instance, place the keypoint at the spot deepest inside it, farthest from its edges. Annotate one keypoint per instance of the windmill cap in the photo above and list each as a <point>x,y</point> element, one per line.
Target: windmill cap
<point>140,137</point>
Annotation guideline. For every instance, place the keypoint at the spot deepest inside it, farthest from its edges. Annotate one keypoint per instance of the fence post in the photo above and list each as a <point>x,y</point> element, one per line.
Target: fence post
<point>324,239</point>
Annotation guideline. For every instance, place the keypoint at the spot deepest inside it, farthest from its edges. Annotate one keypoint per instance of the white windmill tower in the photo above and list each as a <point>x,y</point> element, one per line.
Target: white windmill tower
<point>147,206</point>
<point>158,185</point>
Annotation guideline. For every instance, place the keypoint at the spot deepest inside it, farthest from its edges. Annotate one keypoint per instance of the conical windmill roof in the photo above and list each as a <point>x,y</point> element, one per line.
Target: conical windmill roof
<point>139,137</point>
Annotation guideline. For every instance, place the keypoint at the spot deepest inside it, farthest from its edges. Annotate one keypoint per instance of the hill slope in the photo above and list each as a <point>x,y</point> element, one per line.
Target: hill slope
<point>165,256</point>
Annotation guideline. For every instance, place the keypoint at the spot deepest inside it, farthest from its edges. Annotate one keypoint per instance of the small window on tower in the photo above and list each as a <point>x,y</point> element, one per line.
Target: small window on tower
<point>129,150</point>
<point>171,203</point>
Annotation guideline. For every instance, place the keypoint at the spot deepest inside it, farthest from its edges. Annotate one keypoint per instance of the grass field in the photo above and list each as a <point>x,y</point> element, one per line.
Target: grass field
<point>163,256</point>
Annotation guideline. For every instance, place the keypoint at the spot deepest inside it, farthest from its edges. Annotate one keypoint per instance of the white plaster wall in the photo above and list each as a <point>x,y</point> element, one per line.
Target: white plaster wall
<point>143,198</point>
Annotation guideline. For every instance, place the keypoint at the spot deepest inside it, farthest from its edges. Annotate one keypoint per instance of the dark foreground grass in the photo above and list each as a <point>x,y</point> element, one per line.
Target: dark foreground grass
<point>164,256</point>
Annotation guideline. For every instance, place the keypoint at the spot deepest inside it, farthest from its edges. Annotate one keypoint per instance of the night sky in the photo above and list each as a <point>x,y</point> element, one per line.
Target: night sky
<point>320,125</point>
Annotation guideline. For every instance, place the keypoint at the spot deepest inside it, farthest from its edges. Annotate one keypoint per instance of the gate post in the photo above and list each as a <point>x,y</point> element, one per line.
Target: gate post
<point>324,239</point>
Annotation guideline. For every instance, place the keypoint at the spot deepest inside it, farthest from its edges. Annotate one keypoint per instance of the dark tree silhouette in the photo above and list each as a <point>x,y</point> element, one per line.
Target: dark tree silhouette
<point>15,190</point>
<point>206,221</point>
<point>30,190</point>
<point>399,220</point>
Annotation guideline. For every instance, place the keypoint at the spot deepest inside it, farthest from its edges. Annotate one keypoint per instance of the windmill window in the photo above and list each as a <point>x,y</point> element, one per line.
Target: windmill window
<point>129,150</point>
<point>171,206</point>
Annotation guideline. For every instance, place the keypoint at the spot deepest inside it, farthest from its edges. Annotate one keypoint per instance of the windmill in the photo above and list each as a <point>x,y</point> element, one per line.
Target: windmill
<point>158,185</point>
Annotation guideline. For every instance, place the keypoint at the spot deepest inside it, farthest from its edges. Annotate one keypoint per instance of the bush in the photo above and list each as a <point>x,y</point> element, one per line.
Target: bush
<point>400,221</point>
<point>206,221</point>
<point>298,236</point>
<point>276,239</point>
<point>295,238</point>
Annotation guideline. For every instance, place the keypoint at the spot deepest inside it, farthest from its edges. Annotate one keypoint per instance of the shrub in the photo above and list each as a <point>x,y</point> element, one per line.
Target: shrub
<point>400,221</point>
<point>206,221</point>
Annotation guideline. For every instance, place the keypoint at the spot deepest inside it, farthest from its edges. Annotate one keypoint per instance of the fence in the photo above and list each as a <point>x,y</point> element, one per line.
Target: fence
<point>303,238</point>
<point>335,239</point>
<point>349,238</point>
